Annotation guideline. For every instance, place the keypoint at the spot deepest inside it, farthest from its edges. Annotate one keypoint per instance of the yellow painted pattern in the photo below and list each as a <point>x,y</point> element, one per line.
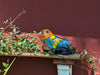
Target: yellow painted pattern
<point>52,37</point>
<point>55,41</point>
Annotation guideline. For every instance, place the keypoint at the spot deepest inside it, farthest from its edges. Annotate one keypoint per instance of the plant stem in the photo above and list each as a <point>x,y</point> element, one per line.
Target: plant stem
<point>9,66</point>
<point>11,23</point>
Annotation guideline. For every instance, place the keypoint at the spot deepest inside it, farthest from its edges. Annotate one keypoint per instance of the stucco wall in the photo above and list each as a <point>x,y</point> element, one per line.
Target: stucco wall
<point>75,20</point>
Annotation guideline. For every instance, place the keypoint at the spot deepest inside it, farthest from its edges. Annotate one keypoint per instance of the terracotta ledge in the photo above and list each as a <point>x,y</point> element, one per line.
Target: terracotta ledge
<point>74,56</point>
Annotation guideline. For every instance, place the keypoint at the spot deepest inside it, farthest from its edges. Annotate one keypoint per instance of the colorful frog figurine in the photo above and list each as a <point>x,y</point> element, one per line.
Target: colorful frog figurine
<point>55,43</point>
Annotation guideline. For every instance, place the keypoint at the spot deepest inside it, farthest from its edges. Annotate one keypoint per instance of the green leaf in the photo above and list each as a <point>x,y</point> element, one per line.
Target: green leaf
<point>85,52</point>
<point>91,62</point>
<point>81,53</point>
<point>18,54</point>
<point>44,53</point>
<point>4,22</point>
<point>1,28</point>
<point>1,72</point>
<point>4,50</point>
<point>34,32</point>
<point>1,52</point>
<point>17,27</point>
<point>17,31</point>
<point>19,49</point>
<point>77,52</point>
<point>19,43</point>
<point>94,68</point>
<point>7,61</point>
<point>73,48</point>
<point>79,59</point>
<point>5,64</point>
<point>14,30</point>
<point>30,40</point>
<point>85,59</point>
<point>11,33</point>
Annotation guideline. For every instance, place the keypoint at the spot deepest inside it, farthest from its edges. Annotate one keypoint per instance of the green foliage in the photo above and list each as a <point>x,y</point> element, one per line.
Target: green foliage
<point>1,52</point>
<point>85,59</point>
<point>14,44</point>
<point>85,53</point>
<point>5,65</point>
<point>84,56</point>
<point>5,22</point>
<point>1,72</point>
<point>35,32</point>
<point>17,44</point>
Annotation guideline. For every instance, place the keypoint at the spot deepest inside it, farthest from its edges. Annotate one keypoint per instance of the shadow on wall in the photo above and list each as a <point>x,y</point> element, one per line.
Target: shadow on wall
<point>82,69</point>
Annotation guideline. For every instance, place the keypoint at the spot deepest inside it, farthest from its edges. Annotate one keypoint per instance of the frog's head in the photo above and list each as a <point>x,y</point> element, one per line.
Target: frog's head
<point>45,34</point>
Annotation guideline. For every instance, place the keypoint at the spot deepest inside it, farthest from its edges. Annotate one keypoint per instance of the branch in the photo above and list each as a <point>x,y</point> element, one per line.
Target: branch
<point>9,66</point>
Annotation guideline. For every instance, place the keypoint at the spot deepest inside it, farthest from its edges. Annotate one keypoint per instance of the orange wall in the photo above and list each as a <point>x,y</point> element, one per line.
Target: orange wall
<point>75,20</point>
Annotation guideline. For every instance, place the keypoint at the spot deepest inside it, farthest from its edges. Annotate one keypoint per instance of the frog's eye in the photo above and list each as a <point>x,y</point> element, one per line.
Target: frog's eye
<point>47,31</point>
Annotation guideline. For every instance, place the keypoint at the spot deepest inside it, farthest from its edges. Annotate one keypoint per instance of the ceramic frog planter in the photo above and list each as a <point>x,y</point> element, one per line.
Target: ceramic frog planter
<point>56,44</point>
